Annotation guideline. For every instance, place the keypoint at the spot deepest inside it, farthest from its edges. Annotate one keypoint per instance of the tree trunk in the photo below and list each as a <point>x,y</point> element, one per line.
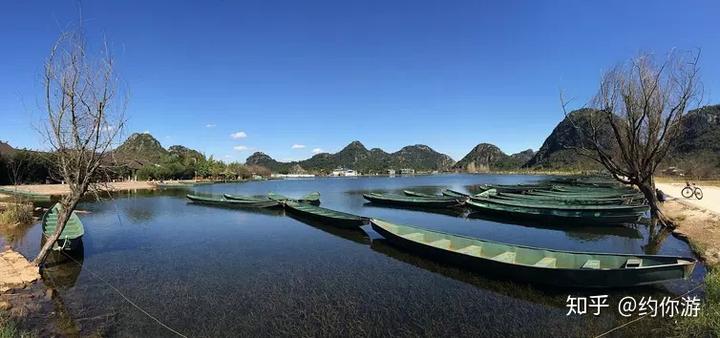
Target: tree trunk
<point>647,187</point>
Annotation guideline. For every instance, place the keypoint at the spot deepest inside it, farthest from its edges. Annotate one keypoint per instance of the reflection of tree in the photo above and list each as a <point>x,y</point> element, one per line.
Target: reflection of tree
<point>139,214</point>
<point>656,236</point>
<point>60,273</point>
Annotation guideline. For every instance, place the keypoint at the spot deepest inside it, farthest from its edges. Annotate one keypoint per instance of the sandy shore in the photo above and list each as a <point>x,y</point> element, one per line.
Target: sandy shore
<point>696,220</point>
<point>61,189</point>
<point>710,201</point>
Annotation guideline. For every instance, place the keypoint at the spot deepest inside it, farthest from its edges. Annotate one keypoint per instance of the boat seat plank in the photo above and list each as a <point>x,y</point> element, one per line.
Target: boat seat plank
<point>633,263</point>
<point>592,264</point>
<point>547,262</point>
<point>507,257</point>
<point>441,243</point>
<point>472,250</point>
<point>415,236</point>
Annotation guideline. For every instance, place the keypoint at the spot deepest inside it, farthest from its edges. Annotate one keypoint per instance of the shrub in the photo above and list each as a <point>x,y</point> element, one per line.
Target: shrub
<point>15,213</point>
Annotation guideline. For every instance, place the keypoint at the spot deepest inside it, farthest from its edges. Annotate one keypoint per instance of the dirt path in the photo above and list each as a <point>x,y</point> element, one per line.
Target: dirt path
<point>697,220</point>
<point>710,201</point>
<point>61,189</point>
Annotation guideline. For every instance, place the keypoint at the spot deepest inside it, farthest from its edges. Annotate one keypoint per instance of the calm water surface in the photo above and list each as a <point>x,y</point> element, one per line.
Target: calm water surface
<point>209,271</point>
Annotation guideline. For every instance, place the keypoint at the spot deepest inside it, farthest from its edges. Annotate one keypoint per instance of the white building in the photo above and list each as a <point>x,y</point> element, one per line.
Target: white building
<point>344,172</point>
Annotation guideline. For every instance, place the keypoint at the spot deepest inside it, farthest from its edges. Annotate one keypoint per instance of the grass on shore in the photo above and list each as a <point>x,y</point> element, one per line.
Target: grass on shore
<point>707,323</point>
<point>9,329</point>
<point>17,213</point>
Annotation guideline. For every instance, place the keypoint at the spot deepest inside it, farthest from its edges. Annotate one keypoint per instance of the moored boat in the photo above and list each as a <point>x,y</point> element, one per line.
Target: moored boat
<point>453,193</point>
<point>246,198</point>
<point>422,202</point>
<point>231,203</point>
<point>554,215</point>
<point>71,236</point>
<point>638,209</point>
<point>538,265</point>
<point>420,194</point>
<point>332,217</point>
<point>570,200</point>
<point>311,198</point>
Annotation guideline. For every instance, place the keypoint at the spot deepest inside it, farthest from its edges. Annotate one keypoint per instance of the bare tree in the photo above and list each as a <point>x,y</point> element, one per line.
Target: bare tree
<point>84,118</point>
<point>16,166</point>
<point>636,116</point>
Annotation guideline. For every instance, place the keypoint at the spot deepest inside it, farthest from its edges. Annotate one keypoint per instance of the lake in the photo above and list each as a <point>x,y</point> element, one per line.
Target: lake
<point>208,271</point>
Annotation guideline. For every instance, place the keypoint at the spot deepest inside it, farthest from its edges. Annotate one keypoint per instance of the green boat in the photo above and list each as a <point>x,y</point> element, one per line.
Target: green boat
<point>554,215</point>
<point>515,187</point>
<point>453,193</point>
<point>337,218</point>
<point>538,265</point>
<point>421,202</point>
<point>420,194</point>
<point>583,195</point>
<point>637,209</point>
<point>231,203</point>
<point>311,198</point>
<point>71,237</point>
<point>569,200</point>
<point>246,198</point>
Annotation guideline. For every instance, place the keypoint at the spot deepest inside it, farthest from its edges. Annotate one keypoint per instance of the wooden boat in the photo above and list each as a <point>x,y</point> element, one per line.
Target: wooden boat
<point>554,215</point>
<point>422,202</point>
<point>231,203</point>
<point>515,187</point>
<point>246,198</point>
<point>569,200</point>
<point>453,193</point>
<point>538,265</point>
<point>333,217</point>
<point>71,237</point>
<point>637,209</point>
<point>420,194</point>
<point>583,195</point>
<point>311,198</point>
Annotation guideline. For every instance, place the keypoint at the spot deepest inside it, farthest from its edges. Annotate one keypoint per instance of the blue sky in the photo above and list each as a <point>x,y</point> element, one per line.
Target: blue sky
<point>320,74</point>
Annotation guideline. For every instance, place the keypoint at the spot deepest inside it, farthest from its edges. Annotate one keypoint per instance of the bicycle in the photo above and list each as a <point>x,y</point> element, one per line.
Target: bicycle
<point>690,190</point>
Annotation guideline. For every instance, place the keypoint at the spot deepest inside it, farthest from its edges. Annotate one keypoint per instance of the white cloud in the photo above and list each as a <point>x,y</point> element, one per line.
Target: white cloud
<point>297,146</point>
<point>317,151</point>
<point>238,135</point>
<point>107,128</point>
<point>210,125</point>
<point>146,132</point>
<point>241,148</point>
<point>228,156</point>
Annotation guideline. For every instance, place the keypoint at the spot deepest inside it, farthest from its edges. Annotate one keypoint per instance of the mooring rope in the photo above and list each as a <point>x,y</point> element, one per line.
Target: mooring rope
<point>127,299</point>
<point>643,316</point>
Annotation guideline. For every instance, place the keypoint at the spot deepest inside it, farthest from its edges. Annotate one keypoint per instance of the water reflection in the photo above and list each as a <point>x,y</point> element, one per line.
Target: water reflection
<point>356,235</point>
<point>508,288</point>
<point>454,212</point>
<point>61,269</point>
<point>573,230</point>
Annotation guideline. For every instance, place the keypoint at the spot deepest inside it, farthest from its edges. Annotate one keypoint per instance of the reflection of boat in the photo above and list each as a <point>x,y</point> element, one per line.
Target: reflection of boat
<point>452,211</point>
<point>61,269</point>
<point>353,234</point>
<point>571,229</point>
<point>506,288</point>
<point>231,203</point>
<point>538,265</point>
<point>426,202</point>
<point>557,216</point>
<point>337,218</point>
<point>71,236</point>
